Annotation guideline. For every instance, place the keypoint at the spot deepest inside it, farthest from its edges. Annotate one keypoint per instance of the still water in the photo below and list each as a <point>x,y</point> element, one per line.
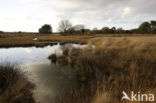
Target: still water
<point>24,55</point>
<point>51,80</point>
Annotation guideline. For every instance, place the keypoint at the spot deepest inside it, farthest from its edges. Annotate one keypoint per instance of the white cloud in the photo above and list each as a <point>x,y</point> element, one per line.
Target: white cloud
<point>109,20</point>
<point>126,12</point>
<point>29,15</point>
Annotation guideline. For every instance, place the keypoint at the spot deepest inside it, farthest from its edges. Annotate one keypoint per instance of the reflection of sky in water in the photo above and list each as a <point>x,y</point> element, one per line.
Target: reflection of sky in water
<point>33,54</point>
<point>48,78</point>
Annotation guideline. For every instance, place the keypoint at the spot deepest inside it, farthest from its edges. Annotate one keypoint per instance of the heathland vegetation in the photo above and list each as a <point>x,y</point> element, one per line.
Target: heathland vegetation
<point>14,85</point>
<point>115,65</point>
<point>70,34</point>
<point>124,60</point>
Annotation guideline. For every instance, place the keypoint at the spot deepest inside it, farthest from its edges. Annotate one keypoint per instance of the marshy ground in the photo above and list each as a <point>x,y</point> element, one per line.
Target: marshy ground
<point>27,40</point>
<point>117,63</point>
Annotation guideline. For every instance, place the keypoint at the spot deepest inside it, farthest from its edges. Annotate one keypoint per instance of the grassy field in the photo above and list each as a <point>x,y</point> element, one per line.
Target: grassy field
<point>26,40</point>
<point>15,40</point>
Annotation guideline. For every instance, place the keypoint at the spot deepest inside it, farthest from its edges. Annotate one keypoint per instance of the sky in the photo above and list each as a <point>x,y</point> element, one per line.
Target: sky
<point>30,15</point>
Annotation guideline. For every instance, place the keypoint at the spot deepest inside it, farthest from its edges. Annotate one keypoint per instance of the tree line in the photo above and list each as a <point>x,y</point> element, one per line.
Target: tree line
<point>65,27</point>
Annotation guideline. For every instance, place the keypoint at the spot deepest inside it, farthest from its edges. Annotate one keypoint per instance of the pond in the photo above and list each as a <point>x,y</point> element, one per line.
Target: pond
<point>51,80</point>
<point>26,55</point>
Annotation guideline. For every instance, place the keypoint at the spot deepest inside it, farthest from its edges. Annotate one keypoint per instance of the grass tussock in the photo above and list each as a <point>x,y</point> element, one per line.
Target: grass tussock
<point>53,58</point>
<point>74,54</point>
<point>66,51</point>
<point>63,60</point>
<point>114,66</point>
<point>14,86</point>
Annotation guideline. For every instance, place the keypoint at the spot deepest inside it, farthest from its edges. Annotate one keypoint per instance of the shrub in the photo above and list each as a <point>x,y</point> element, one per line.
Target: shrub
<point>53,58</point>
<point>1,32</point>
<point>14,86</point>
<point>45,29</point>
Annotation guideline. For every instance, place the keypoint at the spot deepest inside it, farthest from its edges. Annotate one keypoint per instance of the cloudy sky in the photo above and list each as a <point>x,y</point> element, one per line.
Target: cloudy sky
<point>29,15</point>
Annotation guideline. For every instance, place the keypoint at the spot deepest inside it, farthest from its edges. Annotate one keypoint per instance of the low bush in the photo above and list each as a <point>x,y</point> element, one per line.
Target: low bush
<point>14,86</point>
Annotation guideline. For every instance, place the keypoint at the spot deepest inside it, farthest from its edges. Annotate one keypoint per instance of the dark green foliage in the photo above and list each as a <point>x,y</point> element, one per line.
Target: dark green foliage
<point>20,32</point>
<point>147,28</point>
<point>144,28</point>
<point>82,31</point>
<point>45,29</point>
<point>105,30</point>
<point>153,30</point>
<point>70,31</point>
<point>1,32</point>
<point>113,29</point>
<point>120,31</point>
<point>153,27</point>
<point>65,27</point>
<point>153,24</point>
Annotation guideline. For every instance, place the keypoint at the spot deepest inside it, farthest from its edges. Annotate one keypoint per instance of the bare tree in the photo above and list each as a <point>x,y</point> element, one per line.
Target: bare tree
<point>64,26</point>
<point>79,27</point>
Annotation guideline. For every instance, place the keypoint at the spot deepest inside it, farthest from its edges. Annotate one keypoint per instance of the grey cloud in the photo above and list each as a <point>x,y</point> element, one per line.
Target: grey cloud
<point>90,8</point>
<point>95,12</point>
<point>103,7</point>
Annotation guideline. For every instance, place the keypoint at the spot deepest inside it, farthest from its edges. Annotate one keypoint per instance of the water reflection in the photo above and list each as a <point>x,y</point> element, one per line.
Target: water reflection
<point>32,54</point>
<point>51,81</point>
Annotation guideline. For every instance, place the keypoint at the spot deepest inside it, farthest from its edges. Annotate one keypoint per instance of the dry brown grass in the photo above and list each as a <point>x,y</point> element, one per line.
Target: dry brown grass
<point>53,58</point>
<point>131,66</point>
<point>74,54</point>
<point>63,60</point>
<point>117,64</point>
<point>43,40</point>
<point>19,40</point>
<point>14,86</point>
